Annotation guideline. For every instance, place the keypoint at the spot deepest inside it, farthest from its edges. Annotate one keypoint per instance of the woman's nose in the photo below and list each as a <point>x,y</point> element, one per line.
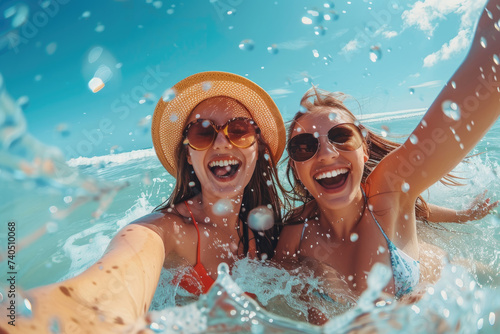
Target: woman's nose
<point>327,149</point>
<point>221,141</point>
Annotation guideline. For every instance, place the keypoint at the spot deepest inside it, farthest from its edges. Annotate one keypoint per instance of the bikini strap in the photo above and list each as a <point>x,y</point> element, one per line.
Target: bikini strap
<point>198,249</point>
<point>375,219</point>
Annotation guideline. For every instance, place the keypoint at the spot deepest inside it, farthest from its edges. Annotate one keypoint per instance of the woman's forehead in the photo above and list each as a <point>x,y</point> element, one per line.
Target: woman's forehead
<point>219,109</point>
<point>319,119</point>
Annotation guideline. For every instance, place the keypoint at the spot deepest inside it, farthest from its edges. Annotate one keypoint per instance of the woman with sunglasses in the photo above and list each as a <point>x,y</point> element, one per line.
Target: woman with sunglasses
<point>219,137</point>
<point>359,193</point>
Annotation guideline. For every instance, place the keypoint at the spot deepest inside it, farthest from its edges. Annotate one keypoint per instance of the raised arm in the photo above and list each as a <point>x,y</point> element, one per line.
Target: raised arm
<point>109,296</point>
<point>459,117</point>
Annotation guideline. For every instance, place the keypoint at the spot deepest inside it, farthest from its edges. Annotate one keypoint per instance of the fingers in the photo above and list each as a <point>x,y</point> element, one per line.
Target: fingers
<point>479,198</point>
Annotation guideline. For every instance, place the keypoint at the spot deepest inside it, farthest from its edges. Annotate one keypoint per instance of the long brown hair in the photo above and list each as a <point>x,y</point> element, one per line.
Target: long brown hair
<point>262,190</point>
<point>377,148</point>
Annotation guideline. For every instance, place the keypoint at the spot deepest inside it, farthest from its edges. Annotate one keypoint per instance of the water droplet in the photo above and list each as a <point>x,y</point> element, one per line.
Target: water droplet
<point>319,30</point>
<point>156,327</point>
<point>316,135</point>
<point>454,85</point>
<point>329,4</point>
<point>94,54</point>
<point>451,110</point>
<point>483,42</point>
<point>430,290</point>
<point>480,324</point>
<point>315,53</point>
<point>496,59</point>
<point>413,139</point>
<point>385,130</point>
<point>223,268</point>
<point>375,53</point>
<point>51,227</point>
<point>364,132</point>
<point>168,95</point>
<point>416,309</point>
<point>405,187</point>
<point>273,49</point>
<point>489,13</point>
<point>54,326</point>
<point>174,118</point>
<point>100,27</point>
<point>85,14</point>
<point>246,45</point>
<point>222,207</point>
<point>459,282</point>
<point>332,116</point>
<point>191,184</point>
<point>96,84</point>
<point>350,278</point>
<point>206,234</point>
<point>424,123</point>
<point>354,237</point>
<point>497,25</point>
<point>261,218</point>
<point>206,87</point>
<point>491,318</point>
<point>412,91</point>
<point>104,73</point>
<point>306,20</point>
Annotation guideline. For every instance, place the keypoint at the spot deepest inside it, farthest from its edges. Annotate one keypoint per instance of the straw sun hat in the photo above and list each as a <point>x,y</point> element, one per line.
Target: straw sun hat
<point>175,106</point>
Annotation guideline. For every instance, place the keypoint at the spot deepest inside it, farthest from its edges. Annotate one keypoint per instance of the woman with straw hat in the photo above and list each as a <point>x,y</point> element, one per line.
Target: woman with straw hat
<point>220,136</point>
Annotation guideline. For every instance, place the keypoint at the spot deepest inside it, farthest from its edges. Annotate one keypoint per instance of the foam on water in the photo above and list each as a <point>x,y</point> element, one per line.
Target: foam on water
<point>82,256</point>
<point>115,158</point>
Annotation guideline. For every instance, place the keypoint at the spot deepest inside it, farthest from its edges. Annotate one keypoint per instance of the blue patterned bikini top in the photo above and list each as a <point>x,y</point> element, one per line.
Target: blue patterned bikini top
<point>405,269</point>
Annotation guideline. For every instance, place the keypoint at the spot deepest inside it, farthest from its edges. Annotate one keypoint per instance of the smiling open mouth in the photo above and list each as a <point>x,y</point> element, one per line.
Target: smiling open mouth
<point>224,168</point>
<point>333,179</point>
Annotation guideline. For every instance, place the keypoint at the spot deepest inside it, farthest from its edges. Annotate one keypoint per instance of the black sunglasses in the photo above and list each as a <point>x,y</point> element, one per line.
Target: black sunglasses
<point>240,132</point>
<point>345,137</point>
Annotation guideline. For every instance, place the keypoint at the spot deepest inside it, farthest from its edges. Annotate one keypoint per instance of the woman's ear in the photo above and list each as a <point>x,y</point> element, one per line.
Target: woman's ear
<point>189,158</point>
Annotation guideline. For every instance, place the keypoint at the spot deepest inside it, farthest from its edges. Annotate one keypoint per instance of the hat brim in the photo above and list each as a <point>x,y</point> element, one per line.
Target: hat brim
<point>170,115</point>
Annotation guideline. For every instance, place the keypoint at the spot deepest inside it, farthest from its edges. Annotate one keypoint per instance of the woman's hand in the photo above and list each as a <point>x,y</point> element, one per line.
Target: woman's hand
<point>478,209</point>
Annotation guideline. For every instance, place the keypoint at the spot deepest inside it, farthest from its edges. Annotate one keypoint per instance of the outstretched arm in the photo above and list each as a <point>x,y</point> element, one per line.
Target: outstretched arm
<point>459,117</point>
<point>478,209</point>
<point>109,296</point>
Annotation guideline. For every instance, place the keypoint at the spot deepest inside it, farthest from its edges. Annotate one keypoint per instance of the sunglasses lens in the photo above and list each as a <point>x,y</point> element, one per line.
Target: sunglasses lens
<point>302,147</point>
<point>345,137</point>
<point>201,135</point>
<point>241,132</point>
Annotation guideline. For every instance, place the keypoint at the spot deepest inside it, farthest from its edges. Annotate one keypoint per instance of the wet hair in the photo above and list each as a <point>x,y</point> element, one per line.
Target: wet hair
<point>261,190</point>
<point>375,145</point>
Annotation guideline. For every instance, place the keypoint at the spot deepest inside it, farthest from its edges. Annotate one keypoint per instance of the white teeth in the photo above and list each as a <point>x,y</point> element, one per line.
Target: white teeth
<point>223,163</point>
<point>332,173</point>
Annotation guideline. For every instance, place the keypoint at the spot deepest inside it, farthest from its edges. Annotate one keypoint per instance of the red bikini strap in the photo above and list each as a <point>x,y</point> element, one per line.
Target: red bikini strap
<point>197,230</point>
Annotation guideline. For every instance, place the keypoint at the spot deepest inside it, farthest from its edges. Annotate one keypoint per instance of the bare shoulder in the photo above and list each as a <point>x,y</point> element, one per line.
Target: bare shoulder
<point>289,241</point>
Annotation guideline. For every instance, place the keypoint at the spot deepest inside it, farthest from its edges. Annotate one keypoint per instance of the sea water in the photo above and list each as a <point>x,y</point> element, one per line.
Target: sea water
<point>61,239</point>
<point>66,211</point>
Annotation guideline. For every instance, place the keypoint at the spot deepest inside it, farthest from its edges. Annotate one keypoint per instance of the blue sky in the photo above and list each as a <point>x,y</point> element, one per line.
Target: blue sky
<point>379,52</point>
